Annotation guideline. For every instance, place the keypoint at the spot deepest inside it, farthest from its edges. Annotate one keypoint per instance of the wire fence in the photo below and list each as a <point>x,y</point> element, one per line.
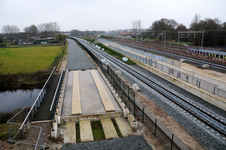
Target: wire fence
<point>32,135</point>
<point>127,95</point>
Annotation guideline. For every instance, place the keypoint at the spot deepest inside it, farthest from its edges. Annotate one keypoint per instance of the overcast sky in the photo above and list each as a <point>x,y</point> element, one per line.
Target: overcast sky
<point>105,14</point>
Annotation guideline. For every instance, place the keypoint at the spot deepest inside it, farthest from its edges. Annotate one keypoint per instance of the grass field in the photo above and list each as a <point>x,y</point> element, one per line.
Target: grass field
<point>27,59</point>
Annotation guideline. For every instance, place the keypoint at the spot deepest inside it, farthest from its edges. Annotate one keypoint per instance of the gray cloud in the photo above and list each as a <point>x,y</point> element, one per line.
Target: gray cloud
<point>105,14</point>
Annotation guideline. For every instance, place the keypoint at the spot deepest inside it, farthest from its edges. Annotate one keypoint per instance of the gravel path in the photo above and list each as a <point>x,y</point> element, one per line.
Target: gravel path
<point>77,58</point>
<point>128,143</point>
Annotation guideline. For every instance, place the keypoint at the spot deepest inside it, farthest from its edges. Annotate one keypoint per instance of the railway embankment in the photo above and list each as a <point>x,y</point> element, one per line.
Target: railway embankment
<point>206,84</point>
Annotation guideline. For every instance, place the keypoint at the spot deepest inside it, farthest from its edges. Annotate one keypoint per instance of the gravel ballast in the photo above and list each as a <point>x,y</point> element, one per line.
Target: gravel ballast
<point>200,131</point>
<point>128,143</point>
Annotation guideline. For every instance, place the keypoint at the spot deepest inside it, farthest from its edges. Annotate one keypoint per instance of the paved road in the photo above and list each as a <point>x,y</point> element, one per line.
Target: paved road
<point>77,58</point>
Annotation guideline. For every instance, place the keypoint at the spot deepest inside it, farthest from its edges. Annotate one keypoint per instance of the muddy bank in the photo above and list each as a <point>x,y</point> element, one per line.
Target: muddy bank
<point>23,80</point>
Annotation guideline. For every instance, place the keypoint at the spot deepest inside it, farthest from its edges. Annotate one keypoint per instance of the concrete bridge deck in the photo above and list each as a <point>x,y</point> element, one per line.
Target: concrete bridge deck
<point>91,99</point>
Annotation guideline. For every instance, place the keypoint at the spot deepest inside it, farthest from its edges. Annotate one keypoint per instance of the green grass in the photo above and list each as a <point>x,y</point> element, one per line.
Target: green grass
<point>3,131</point>
<point>116,127</point>
<point>90,40</point>
<point>115,54</point>
<point>27,59</point>
<point>103,36</point>
<point>78,139</point>
<point>98,132</point>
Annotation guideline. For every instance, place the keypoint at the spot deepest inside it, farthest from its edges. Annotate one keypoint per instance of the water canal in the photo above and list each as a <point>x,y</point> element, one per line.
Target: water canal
<point>11,100</point>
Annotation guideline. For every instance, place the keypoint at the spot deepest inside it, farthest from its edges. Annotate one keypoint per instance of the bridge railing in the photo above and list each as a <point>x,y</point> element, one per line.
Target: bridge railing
<point>56,97</point>
<point>36,103</point>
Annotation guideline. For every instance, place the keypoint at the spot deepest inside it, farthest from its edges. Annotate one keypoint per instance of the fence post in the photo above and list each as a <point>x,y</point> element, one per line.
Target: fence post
<point>172,142</point>
<point>8,130</point>
<point>143,116</point>
<point>155,126</point>
<point>21,133</point>
<point>134,109</point>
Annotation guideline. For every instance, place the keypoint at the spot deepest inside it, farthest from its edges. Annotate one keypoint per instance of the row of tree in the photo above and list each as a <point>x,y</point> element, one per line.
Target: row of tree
<point>44,29</point>
<point>214,31</point>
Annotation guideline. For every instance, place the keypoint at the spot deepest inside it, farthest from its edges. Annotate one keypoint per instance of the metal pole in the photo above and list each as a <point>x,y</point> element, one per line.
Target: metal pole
<point>150,36</point>
<point>134,108</point>
<point>178,39</point>
<point>136,36</point>
<point>8,130</point>
<point>143,116</point>
<point>202,39</point>
<point>165,40</point>
<point>155,126</point>
<point>172,142</point>
<point>162,36</point>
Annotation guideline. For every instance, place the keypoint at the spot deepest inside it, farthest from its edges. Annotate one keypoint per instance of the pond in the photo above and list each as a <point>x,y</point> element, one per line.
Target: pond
<point>11,100</point>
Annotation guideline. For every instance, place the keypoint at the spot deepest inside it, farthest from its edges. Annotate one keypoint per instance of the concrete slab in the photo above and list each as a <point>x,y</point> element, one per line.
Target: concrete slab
<point>91,103</point>
<point>109,129</point>
<point>90,98</point>
<point>103,94</point>
<point>70,132</point>
<point>66,110</point>
<point>112,98</point>
<point>123,126</point>
<point>76,100</point>
<point>86,133</point>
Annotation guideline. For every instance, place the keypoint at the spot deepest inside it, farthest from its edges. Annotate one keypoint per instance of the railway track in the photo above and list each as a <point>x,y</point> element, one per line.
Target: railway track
<point>206,118</point>
<point>222,68</point>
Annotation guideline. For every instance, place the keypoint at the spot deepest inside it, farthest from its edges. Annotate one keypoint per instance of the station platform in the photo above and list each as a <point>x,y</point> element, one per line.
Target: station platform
<point>87,97</point>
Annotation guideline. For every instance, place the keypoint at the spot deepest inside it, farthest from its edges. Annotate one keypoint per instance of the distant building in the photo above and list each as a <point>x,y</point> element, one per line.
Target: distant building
<point>44,41</point>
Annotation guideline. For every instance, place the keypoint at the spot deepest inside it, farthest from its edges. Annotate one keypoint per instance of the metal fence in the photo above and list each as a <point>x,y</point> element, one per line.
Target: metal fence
<point>36,104</point>
<point>56,97</point>
<point>165,137</point>
<point>14,132</point>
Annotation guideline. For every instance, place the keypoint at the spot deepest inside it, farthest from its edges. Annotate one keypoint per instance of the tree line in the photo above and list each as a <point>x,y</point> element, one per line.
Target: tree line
<point>214,30</point>
<point>44,29</point>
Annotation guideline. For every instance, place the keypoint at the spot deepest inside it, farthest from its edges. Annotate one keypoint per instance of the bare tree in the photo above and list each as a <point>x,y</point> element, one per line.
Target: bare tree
<point>26,30</point>
<point>50,28</point>
<point>181,27</point>
<point>172,24</point>
<point>194,25</point>
<point>139,27</point>
<point>75,32</point>
<point>136,27</point>
<point>10,29</point>
<point>33,30</point>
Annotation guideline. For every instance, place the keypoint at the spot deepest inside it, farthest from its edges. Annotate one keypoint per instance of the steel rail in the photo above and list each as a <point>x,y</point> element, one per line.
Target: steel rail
<point>217,66</point>
<point>192,109</point>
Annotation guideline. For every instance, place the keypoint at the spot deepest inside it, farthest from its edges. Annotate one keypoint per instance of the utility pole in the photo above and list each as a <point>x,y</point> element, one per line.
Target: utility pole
<point>202,39</point>
<point>165,40</point>
<point>178,39</point>
<point>162,36</point>
<point>150,35</point>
